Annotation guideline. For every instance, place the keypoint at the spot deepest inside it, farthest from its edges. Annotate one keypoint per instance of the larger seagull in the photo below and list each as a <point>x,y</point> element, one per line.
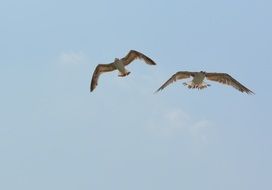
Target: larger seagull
<point>118,64</point>
<point>198,80</point>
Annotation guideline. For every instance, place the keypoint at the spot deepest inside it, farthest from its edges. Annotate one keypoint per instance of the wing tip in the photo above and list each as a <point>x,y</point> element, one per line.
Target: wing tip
<point>250,92</point>
<point>91,89</point>
<point>157,91</point>
<point>247,91</point>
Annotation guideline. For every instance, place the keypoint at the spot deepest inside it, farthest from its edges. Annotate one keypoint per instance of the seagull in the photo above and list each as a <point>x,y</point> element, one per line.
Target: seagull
<point>199,77</point>
<point>118,64</point>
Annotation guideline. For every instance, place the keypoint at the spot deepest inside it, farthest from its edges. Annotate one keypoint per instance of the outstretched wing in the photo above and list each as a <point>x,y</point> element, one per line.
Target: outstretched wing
<point>178,76</point>
<point>132,55</point>
<point>101,68</point>
<point>225,78</point>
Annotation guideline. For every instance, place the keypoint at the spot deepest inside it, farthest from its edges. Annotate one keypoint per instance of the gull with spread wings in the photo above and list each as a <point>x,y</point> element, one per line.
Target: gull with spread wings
<point>198,80</point>
<point>118,64</point>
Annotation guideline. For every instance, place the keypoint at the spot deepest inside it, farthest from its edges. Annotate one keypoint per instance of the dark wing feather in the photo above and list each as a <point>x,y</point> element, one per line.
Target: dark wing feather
<point>225,78</point>
<point>132,55</point>
<point>178,76</point>
<point>101,68</point>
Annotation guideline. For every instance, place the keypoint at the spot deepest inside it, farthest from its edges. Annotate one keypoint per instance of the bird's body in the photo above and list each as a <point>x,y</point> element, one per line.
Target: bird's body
<point>197,81</point>
<point>118,64</point>
<point>199,77</point>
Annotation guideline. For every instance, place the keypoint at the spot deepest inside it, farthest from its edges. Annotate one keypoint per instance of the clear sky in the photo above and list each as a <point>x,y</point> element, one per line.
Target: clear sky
<point>55,134</point>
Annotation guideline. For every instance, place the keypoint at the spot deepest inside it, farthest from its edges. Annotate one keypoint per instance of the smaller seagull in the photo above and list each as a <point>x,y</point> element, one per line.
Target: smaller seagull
<point>118,64</point>
<point>198,80</point>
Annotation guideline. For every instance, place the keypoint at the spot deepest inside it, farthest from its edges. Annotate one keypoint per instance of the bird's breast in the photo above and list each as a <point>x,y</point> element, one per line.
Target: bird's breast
<point>198,79</point>
<point>120,66</point>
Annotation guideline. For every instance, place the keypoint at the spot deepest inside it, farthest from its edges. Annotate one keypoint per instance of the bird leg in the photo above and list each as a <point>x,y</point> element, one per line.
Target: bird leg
<point>203,85</point>
<point>192,85</point>
<point>124,74</point>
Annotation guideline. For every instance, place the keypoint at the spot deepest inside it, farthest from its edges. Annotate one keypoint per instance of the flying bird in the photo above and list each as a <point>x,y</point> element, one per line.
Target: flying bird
<point>199,77</point>
<point>118,64</point>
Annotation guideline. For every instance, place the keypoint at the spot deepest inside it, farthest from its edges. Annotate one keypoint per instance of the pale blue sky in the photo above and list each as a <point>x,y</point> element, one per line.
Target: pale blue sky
<point>54,134</point>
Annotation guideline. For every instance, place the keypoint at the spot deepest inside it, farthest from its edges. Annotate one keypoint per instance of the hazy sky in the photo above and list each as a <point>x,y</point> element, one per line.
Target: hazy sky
<point>55,134</point>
